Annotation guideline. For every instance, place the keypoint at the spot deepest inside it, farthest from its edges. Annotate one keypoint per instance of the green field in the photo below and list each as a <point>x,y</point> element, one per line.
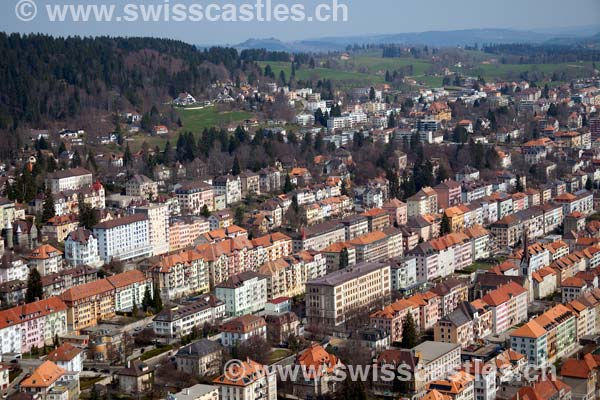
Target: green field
<point>513,71</point>
<point>346,78</point>
<point>196,120</point>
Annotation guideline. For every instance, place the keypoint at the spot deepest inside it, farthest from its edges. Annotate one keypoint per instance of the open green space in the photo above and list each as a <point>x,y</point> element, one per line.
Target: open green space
<point>195,120</point>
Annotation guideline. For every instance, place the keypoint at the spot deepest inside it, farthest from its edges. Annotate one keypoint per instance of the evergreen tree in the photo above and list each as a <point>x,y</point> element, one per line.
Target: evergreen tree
<point>589,185</point>
<point>48,207</point>
<point>519,185</point>
<point>372,93</point>
<point>157,303</point>
<point>204,211</point>
<point>235,170</point>
<point>35,290</point>
<point>134,310</point>
<point>147,300</point>
<point>392,120</point>
<point>409,332</point>
<point>344,259</point>
<point>446,225</point>
<point>127,157</point>
<point>287,186</point>
<point>344,188</point>
<point>239,216</point>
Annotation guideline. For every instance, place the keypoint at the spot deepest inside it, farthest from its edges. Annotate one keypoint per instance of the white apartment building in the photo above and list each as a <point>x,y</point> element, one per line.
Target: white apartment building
<point>194,196</point>
<point>141,186</point>
<point>180,320</point>
<point>13,267</point>
<point>124,238</point>
<point>81,248</point>
<point>248,381</point>
<point>130,287</point>
<point>245,293</point>
<point>438,359</point>
<point>158,224</point>
<point>230,186</point>
<point>240,329</point>
<point>69,179</point>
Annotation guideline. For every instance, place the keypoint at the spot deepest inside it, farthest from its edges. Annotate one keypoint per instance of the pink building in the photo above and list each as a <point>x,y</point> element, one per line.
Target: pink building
<point>391,318</point>
<point>184,230</point>
<point>508,304</point>
<point>448,193</point>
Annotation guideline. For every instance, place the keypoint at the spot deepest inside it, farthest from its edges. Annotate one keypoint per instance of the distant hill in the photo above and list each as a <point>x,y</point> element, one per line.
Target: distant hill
<point>430,38</point>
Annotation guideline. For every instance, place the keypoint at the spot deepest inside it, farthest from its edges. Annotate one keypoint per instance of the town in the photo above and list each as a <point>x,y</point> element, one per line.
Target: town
<point>447,223</point>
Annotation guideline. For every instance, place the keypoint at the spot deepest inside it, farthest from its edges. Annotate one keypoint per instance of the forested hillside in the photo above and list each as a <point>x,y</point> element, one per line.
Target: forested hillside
<point>43,78</point>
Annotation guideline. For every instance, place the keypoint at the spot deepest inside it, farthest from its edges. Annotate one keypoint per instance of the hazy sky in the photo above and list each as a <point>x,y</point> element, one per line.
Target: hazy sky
<point>365,17</point>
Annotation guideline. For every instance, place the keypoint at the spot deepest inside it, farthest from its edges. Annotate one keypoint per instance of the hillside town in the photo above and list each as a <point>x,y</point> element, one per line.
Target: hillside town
<point>453,231</point>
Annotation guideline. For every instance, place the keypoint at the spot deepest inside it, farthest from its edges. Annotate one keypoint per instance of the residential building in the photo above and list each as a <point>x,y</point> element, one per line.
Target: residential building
<point>193,196</point>
<point>141,186</point>
<point>333,300</point>
<point>137,377</point>
<point>124,238</point>
<point>508,304</point>
<point>247,381</point>
<point>244,293</point>
<point>13,267</point>
<point>425,201</point>
<point>158,226</point>
<point>184,230</point>
<point>69,179</point>
<point>46,259</point>
<point>81,248</point>
<point>240,329</point>
<point>181,274</point>
<point>177,321</point>
<point>229,186</point>
<point>201,358</point>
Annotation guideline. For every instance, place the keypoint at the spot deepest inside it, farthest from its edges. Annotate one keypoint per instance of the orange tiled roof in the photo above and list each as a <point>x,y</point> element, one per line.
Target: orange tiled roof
<point>43,376</point>
<point>43,252</point>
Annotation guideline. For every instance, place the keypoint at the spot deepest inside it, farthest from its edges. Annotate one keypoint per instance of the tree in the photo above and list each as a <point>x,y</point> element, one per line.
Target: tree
<point>392,120</point>
<point>446,225</point>
<point>589,185</point>
<point>344,259</point>
<point>127,157</point>
<point>519,185</point>
<point>147,300</point>
<point>35,290</point>
<point>239,216</point>
<point>157,303</point>
<point>293,343</point>
<point>87,215</point>
<point>287,186</point>
<point>48,207</point>
<point>134,310</point>
<point>235,170</point>
<point>352,390</point>
<point>204,211</point>
<point>372,93</point>
<point>255,348</point>
<point>409,332</point>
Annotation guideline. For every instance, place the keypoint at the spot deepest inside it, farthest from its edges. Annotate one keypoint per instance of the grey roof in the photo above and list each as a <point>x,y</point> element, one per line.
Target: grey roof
<point>344,275</point>
<point>200,348</point>
<point>239,279</point>
<point>430,350</point>
<point>462,315</point>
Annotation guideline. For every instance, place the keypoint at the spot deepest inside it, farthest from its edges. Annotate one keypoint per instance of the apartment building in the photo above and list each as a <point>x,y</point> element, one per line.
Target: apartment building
<point>318,237</point>
<point>425,201</point>
<point>449,193</point>
<point>437,360</point>
<point>244,293</point>
<point>287,276</point>
<point>546,338</point>
<point>180,274</point>
<point>184,230</point>
<point>177,321</point>
<point>124,238</point>
<point>129,288</point>
<point>391,318</point>
<point>81,248</point>
<point>69,179</point>
<point>157,215</point>
<point>33,324</point>
<point>247,381</point>
<point>508,304</point>
<point>334,299</point>
<point>141,186</point>
<point>229,186</point>
<point>201,358</point>
<point>13,268</point>
<point>240,329</point>
<point>193,196</point>
<point>46,259</point>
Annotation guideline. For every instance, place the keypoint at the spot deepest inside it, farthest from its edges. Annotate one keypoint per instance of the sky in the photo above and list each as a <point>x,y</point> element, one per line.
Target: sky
<point>364,17</point>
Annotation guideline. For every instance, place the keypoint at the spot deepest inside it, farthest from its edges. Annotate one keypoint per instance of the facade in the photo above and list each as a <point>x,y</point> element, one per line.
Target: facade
<point>180,274</point>
<point>184,230</point>
<point>200,358</point>
<point>194,196</point>
<point>248,381</point>
<point>142,186</point>
<point>46,259</point>
<point>13,268</point>
<point>180,320</point>
<point>546,338</point>
<point>332,300</point>
<point>33,324</point>
<point>240,329</point>
<point>69,179</point>
<point>81,248</point>
<point>230,186</point>
<point>245,293</point>
<point>508,304</point>
<point>124,238</point>
<point>158,226</point>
